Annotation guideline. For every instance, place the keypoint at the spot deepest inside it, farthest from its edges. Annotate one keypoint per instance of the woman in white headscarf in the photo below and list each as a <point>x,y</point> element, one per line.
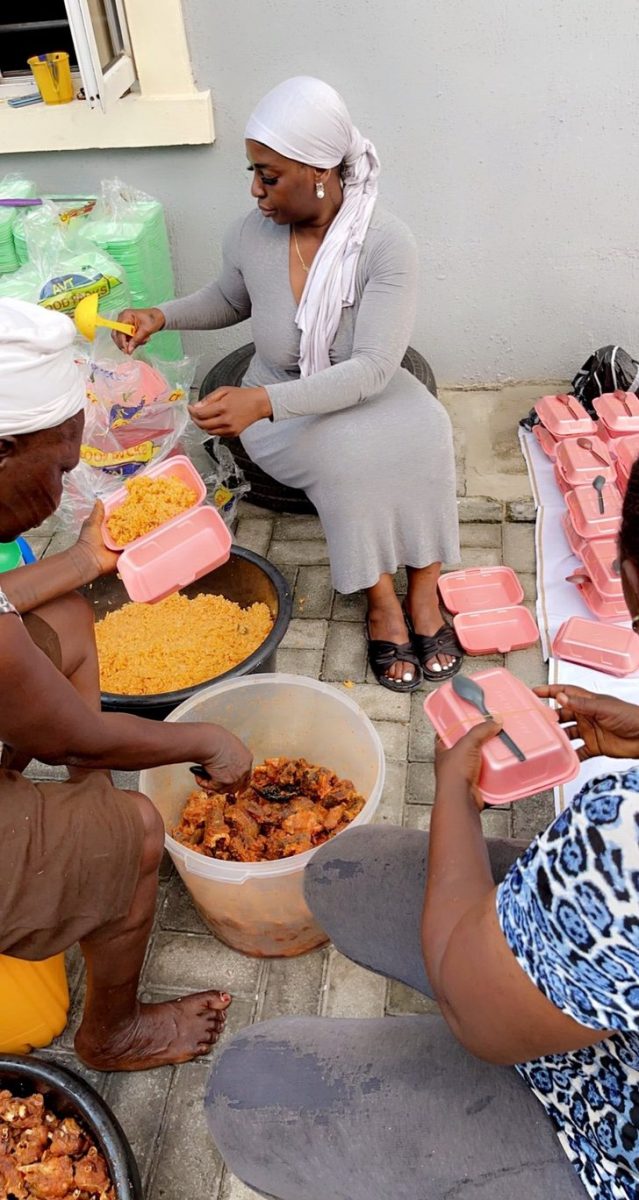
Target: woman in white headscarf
<point>329,280</point>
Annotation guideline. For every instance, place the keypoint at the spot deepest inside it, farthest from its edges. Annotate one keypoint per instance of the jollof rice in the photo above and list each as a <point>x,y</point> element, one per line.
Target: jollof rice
<point>145,649</point>
<point>150,503</point>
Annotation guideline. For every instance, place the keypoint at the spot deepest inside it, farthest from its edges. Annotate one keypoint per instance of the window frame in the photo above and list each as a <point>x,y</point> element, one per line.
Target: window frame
<point>102,85</point>
<point>165,108</point>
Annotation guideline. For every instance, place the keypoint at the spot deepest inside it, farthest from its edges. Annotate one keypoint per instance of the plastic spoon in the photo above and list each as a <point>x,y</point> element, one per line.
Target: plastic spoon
<point>87,319</point>
<point>599,484</point>
<point>622,396</point>
<point>473,694</point>
<point>566,400</point>
<point>586,444</point>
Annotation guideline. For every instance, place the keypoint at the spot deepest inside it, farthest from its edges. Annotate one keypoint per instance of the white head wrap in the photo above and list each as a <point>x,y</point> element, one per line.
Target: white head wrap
<point>307,120</point>
<point>41,385</point>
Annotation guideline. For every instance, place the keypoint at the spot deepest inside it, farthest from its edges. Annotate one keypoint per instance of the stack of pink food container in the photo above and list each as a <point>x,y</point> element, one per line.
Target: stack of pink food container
<point>489,617</point>
<point>588,468</point>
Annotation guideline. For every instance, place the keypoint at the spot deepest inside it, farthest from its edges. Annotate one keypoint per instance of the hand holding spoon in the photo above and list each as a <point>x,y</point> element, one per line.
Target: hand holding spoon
<point>472,693</point>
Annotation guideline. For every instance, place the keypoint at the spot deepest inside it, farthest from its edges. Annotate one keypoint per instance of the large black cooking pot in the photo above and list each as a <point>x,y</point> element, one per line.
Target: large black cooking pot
<point>67,1095</point>
<point>246,578</point>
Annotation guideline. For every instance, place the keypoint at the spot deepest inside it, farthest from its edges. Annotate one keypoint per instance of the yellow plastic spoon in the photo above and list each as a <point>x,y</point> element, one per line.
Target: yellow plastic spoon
<point>87,319</point>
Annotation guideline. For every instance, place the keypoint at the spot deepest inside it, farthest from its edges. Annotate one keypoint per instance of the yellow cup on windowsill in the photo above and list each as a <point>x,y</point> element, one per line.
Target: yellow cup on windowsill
<point>52,74</point>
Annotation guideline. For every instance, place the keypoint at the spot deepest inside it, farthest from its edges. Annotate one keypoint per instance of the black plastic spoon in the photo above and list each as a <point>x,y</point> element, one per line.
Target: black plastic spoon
<point>470,691</point>
<point>599,484</point>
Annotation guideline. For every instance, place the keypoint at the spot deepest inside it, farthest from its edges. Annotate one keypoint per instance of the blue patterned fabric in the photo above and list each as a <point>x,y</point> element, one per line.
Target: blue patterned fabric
<point>569,910</point>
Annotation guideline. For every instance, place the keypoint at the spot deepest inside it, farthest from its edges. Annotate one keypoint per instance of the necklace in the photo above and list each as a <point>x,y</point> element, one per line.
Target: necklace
<point>299,253</point>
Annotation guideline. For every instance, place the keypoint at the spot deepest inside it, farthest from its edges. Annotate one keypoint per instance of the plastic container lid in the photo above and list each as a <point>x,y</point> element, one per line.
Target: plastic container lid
<point>607,648</point>
<point>589,522</point>
<point>497,631</point>
<point>564,416</point>
<point>546,440</point>
<point>550,758</point>
<point>176,553</point>
<point>479,589</point>
<point>579,466</point>
<point>612,409</point>
<point>575,543</point>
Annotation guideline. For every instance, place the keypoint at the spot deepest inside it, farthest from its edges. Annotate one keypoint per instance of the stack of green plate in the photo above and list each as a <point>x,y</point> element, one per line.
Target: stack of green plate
<point>135,235</point>
<point>11,188</point>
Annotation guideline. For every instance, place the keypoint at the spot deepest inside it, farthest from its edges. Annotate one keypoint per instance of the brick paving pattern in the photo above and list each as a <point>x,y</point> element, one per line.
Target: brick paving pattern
<point>161,1111</point>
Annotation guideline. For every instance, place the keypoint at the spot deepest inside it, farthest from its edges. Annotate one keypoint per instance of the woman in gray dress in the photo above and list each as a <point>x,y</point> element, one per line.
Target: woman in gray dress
<point>329,280</point>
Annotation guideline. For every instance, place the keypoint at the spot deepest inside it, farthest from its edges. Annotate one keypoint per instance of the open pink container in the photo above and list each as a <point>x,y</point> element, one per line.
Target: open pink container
<point>176,553</point>
<point>588,521</point>
<point>546,440</point>
<point>564,416</point>
<point>550,758</point>
<point>575,543</point>
<point>489,618</point>
<point>579,466</point>
<point>607,648</point>
<point>612,409</point>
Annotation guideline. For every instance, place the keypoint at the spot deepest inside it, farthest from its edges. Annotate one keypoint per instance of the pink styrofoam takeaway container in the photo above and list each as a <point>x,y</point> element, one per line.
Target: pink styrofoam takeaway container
<point>607,648</point>
<point>578,466</point>
<point>562,484</point>
<point>550,758</point>
<point>178,552</point>
<point>564,416</point>
<point>546,440</point>
<point>477,589</point>
<point>604,609</point>
<point>575,543</point>
<point>612,410</point>
<point>496,632</point>
<point>583,508</point>
<point>627,452</point>
<point>601,560</point>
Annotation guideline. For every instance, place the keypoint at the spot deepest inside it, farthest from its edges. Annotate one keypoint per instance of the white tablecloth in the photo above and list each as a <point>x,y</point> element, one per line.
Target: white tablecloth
<point>557,600</point>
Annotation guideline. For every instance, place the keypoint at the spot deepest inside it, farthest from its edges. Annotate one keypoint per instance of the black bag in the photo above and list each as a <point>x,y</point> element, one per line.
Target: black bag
<point>607,370</point>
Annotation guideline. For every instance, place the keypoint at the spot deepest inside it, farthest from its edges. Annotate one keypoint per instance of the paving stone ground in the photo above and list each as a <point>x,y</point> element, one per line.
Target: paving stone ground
<point>161,1111</point>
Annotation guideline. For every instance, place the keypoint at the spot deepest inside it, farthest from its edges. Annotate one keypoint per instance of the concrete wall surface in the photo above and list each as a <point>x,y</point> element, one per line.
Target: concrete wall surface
<point>508,138</point>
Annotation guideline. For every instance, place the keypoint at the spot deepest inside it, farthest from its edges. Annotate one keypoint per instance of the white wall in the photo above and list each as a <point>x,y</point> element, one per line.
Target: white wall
<point>508,133</point>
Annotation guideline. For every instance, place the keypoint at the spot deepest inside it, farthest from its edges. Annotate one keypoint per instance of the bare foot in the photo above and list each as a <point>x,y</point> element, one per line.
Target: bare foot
<point>157,1034</point>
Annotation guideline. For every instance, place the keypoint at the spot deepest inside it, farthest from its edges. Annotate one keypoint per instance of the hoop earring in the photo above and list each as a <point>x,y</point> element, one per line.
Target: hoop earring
<point>319,189</point>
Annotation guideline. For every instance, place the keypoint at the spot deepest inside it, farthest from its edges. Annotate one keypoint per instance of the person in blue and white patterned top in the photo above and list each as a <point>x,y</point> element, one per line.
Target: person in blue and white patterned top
<point>533,956</point>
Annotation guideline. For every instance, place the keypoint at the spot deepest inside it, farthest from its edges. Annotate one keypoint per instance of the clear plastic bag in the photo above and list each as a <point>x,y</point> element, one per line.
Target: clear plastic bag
<point>135,415</point>
<point>64,266</point>
<point>225,483</point>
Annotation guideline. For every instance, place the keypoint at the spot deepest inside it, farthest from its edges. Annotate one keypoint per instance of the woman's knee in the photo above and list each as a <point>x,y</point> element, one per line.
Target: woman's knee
<point>153,831</point>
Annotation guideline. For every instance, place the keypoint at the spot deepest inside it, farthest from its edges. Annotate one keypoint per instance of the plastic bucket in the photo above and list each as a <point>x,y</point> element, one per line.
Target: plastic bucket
<point>259,908</point>
<point>53,77</point>
<point>34,1002</point>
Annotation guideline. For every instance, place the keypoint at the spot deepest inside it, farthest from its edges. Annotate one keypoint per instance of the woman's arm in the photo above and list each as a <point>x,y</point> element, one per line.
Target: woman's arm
<point>219,304</point>
<point>28,587</point>
<point>383,327</point>
<point>491,1005</point>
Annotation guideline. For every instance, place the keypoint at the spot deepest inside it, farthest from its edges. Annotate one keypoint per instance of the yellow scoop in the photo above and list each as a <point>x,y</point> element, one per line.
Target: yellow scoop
<point>87,319</point>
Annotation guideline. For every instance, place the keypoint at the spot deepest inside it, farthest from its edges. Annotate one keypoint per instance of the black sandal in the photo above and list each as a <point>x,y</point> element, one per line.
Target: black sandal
<point>382,655</point>
<point>443,642</point>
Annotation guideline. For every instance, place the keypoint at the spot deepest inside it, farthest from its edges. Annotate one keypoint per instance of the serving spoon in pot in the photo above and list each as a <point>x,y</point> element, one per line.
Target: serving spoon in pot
<point>472,693</point>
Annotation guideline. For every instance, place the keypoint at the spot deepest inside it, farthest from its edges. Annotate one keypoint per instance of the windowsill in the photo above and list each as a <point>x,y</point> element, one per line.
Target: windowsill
<point>174,120</point>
